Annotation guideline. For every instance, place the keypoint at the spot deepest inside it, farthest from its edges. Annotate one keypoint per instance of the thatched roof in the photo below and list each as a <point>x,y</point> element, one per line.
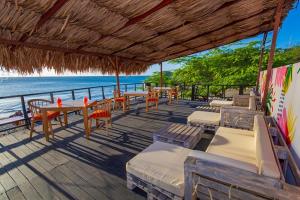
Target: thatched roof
<point>81,35</point>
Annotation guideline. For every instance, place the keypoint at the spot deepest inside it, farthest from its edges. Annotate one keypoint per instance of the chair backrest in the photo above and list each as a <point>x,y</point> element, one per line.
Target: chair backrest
<point>241,100</point>
<point>35,104</point>
<point>153,94</point>
<point>117,93</point>
<point>103,105</point>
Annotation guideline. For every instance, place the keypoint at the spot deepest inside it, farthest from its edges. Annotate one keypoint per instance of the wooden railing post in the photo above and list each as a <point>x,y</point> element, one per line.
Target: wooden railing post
<point>193,93</point>
<point>27,122</point>
<point>207,93</point>
<point>241,90</point>
<point>223,92</point>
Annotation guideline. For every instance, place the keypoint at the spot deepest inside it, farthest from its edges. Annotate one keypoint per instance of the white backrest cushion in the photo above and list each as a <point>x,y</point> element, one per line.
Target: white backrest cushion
<point>265,157</point>
<point>252,103</point>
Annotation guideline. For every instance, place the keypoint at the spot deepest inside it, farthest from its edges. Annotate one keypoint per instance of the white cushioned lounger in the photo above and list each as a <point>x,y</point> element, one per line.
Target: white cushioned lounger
<point>162,165</point>
<point>220,103</point>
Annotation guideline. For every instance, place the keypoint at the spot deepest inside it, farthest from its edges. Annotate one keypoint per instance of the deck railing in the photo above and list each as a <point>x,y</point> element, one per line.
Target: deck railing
<point>202,92</point>
<point>96,92</point>
<point>205,92</point>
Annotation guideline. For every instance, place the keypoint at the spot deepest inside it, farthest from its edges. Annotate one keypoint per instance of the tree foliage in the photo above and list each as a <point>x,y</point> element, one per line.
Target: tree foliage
<point>230,65</point>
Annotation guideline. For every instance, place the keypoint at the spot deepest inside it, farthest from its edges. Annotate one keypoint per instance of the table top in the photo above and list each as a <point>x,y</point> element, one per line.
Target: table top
<point>67,104</point>
<point>136,93</point>
<point>180,132</point>
<point>162,88</point>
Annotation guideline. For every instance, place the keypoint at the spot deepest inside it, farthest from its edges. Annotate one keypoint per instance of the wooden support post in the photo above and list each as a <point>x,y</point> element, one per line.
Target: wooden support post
<point>118,81</point>
<point>161,74</point>
<point>272,52</point>
<point>261,58</point>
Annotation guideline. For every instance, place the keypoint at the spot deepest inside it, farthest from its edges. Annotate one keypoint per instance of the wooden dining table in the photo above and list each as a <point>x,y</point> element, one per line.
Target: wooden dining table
<point>66,107</point>
<point>129,94</point>
<point>162,88</point>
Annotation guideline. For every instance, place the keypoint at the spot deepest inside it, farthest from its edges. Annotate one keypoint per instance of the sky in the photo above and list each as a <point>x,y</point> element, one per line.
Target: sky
<point>289,35</point>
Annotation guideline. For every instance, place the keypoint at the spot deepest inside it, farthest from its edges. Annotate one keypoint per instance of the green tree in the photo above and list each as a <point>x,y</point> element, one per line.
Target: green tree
<point>155,78</point>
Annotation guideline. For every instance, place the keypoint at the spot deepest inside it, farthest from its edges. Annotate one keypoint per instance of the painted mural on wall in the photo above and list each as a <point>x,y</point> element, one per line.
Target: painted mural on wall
<point>283,102</point>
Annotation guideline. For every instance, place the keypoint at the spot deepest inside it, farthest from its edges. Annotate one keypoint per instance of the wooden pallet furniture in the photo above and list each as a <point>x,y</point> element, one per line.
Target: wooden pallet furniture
<point>208,121</point>
<point>238,117</point>
<point>179,134</point>
<point>229,116</point>
<point>224,173</point>
<point>159,171</point>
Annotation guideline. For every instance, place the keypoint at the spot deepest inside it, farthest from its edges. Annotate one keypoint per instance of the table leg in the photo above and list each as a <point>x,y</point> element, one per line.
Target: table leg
<point>85,121</point>
<point>66,118</point>
<point>45,124</point>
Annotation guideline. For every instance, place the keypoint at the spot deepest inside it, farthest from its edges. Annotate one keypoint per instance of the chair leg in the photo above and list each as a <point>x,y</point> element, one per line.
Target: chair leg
<point>156,105</point>
<point>97,123</point>
<point>31,129</point>
<point>51,129</point>
<point>90,125</point>
<point>60,122</point>
<point>147,106</point>
<point>124,106</point>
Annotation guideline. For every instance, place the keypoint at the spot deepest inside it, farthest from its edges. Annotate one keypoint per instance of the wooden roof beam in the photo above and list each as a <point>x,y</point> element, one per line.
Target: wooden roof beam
<point>45,17</point>
<point>63,50</point>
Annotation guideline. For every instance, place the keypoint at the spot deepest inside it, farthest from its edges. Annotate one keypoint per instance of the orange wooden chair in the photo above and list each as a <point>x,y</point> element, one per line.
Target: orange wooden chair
<point>174,92</point>
<point>119,100</point>
<point>36,115</point>
<point>101,111</point>
<point>152,97</point>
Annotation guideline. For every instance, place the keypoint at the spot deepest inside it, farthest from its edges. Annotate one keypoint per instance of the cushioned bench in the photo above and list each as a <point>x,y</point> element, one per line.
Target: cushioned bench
<point>159,167</point>
<point>162,168</point>
<point>211,120</point>
<point>207,120</point>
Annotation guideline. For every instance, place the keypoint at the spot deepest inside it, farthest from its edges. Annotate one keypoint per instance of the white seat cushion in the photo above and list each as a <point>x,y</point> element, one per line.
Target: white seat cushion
<point>161,164</point>
<point>236,144</point>
<point>220,103</point>
<point>202,117</point>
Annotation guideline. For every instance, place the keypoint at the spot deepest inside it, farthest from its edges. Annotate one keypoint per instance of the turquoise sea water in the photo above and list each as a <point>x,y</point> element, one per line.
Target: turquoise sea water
<point>25,85</point>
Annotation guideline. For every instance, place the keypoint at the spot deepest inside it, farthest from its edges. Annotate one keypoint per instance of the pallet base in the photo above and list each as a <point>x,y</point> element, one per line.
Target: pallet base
<point>153,192</point>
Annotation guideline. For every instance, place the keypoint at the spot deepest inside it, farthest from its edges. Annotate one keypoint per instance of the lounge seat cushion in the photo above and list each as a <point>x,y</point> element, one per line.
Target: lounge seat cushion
<point>236,144</point>
<point>202,117</point>
<point>220,103</point>
<point>161,164</point>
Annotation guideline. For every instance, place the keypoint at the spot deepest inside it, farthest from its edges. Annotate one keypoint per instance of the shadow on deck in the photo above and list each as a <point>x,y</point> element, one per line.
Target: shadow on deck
<point>72,167</point>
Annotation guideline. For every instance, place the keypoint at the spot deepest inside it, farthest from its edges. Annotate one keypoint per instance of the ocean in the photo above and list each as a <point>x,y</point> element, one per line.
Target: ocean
<point>25,85</point>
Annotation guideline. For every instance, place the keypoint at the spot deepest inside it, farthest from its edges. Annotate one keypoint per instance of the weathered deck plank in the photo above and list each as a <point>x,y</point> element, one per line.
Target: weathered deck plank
<point>72,167</point>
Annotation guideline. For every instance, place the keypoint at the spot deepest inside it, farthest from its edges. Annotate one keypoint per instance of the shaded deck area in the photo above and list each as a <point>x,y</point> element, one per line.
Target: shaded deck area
<point>72,167</point>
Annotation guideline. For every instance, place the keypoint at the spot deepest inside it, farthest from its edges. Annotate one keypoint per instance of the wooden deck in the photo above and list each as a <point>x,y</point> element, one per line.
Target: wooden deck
<point>72,167</point>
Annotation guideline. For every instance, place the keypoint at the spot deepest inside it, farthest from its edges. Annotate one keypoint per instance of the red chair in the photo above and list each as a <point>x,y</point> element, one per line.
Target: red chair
<point>101,111</point>
<point>153,97</point>
<point>119,100</point>
<point>34,108</point>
